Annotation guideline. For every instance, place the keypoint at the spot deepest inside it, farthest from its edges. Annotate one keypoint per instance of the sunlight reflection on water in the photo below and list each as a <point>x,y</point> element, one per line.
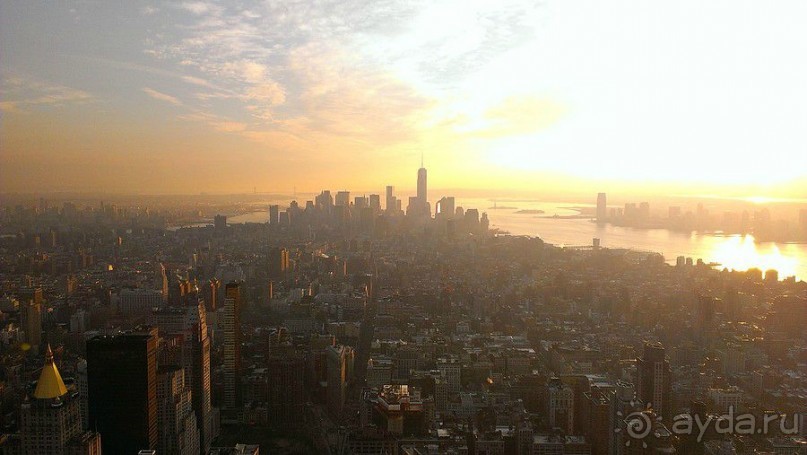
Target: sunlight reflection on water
<point>735,252</point>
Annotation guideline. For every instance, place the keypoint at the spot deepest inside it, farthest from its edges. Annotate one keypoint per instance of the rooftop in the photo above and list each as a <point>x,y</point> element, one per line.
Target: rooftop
<point>50,383</point>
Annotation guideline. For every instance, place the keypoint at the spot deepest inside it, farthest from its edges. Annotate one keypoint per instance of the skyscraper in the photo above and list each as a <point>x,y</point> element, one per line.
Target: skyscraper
<point>392,204</point>
<point>161,281</point>
<point>211,294</point>
<point>139,302</point>
<point>655,379</point>
<point>324,201</point>
<point>31,319</point>
<point>342,199</point>
<point>81,383</point>
<point>51,415</point>
<point>189,325</point>
<point>622,402</point>
<point>375,203</point>
<point>176,421</point>
<point>560,405</point>
<point>274,214</point>
<point>422,185</point>
<point>419,204</point>
<point>339,362</point>
<point>602,210</point>
<point>286,391</point>
<point>278,262</point>
<point>231,323</point>
<point>220,223</point>
<point>122,383</point>
<point>445,208</point>
<point>471,220</point>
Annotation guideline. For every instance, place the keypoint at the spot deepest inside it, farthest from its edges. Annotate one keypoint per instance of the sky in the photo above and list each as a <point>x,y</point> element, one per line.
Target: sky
<point>524,96</point>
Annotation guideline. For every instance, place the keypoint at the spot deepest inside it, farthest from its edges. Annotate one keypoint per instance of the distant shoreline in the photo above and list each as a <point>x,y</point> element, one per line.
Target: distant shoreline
<point>530,212</point>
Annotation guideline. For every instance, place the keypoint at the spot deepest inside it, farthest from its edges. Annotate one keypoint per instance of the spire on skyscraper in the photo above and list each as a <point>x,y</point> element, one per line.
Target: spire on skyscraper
<point>50,384</point>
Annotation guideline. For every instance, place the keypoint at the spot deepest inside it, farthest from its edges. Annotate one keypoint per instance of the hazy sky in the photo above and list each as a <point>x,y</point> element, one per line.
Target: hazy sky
<point>227,96</point>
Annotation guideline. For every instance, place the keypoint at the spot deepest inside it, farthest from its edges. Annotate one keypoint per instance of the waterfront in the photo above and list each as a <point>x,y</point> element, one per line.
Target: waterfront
<point>735,252</point>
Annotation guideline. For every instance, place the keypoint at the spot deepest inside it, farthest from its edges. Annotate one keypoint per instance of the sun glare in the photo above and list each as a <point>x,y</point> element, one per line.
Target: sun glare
<point>743,253</point>
<point>759,199</point>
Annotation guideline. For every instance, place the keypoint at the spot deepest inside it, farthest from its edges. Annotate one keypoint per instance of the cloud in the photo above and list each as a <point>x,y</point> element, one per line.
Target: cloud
<point>269,92</point>
<point>149,10</point>
<point>22,93</point>
<point>162,96</point>
<point>246,70</point>
<point>198,8</point>
<point>131,66</point>
<point>340,74</point>
<point>217,122</point>
<point>61,96</point>
<point>196,81</point>
<point>229,127</point>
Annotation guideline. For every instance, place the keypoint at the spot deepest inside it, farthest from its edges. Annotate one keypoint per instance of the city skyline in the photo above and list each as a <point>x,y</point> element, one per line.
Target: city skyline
<point>403,227</point>
<point>395,329</point>
<point>178,98</point>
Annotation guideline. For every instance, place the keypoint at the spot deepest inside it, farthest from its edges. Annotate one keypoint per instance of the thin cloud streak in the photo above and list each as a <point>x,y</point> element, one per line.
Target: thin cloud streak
<point>162,96</point>
<point>20,93</point>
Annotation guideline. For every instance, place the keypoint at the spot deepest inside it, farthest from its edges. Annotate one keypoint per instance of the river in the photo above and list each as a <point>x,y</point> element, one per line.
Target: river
<point>735,252</point>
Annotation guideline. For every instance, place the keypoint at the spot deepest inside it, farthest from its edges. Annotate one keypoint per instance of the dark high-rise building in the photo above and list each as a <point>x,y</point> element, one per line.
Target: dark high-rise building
<point>596,420</point>
<point>602,208</point>
<point>286,392</point>
<point>231,323</point>
<point>274,214</point>
<point>278,262</point>
<point>704,318</point>
<point>122,384</point>
<point>654,379</point>
<point>220,223</point>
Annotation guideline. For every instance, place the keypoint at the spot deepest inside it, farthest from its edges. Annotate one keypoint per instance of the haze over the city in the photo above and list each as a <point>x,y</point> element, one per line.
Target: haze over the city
<point>187,97</point>
<point>511,227</point>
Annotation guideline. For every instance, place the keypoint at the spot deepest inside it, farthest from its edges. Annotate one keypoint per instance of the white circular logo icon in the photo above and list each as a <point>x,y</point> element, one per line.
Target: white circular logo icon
<point>638,425</point>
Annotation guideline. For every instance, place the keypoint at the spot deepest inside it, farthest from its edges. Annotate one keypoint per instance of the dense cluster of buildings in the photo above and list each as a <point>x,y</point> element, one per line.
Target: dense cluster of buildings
<point>341,326</point>
<point>759,222</point>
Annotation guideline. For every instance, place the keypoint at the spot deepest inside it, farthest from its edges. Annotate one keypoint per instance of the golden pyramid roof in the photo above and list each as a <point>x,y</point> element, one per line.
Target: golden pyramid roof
<point>50,384</point>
